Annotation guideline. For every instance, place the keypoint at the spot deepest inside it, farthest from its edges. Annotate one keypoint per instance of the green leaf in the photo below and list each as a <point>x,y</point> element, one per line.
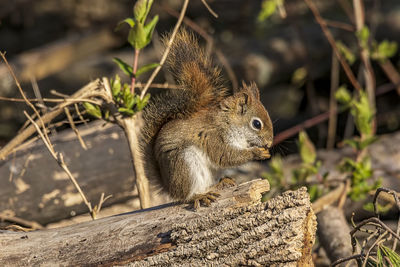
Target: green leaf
<point>125,67</point>
<point>141,103</point>
<point>140,36</point>
<point>354,143</point>
<point>366,142</point>
<point>363,36</point>
<point>128,21</point>
<point>315,192</point>
<point>141,10</point>
<point>93,110</point>
<point>299,76</point>
<point>363,114</point>
<point>384,50</point>
<point>146,68</point>
<point>149,29</point>
<point>137,37</point>
<point>307,149</point>
<point>126,111</point>
<point>343,95</point>
<point>116,86</point>
<point>346,52</point>
<point>393,257</point>
<point>268,8</point>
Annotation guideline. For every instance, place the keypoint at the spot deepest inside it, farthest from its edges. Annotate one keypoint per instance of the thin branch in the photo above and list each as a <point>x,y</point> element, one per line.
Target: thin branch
<point>396,199</point>
<point>333,104</point>
<point>209,8</point>
<point>84,92</point>
<point>340,25</point>
<point>71,122</point>
<point>23,94</point>
<point>27,223</point>
<point>135,64</point>
<point>377,222</point>
<point>60,160</point>
<point>166,52</point>
<point>332,42</point>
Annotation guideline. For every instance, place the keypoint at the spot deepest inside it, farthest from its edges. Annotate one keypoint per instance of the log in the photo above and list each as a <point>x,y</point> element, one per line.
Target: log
<point>237,229</point>
<point>35,188</point>
<point>52,58</point>
<point>333,233</point>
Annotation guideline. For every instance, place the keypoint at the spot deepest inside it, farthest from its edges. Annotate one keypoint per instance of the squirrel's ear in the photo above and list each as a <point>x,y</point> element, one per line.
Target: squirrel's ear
<point>252,89</point>
<point>237,103</point>
<point>243,100</point>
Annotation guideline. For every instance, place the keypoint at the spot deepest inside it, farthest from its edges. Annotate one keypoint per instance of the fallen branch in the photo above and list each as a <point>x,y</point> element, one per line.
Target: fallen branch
<point>237,229</point>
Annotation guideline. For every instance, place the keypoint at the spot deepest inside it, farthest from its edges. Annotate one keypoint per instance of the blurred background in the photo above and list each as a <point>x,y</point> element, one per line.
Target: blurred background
<point>62,45</point>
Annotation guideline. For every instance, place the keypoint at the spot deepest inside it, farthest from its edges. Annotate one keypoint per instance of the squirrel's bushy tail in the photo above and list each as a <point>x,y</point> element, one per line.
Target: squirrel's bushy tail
<point>200,82</point>
<point>194,69</point>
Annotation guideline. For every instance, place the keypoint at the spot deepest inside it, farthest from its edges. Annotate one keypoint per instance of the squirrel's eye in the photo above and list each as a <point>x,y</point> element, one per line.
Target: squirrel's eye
<point>256,124</point>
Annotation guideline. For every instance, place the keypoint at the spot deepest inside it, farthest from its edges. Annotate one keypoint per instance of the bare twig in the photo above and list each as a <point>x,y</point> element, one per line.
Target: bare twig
<point>333,104</point>
<point>37,93</point>
<point>376,222</point>
<point>84,93</point>
<point>71,122</point>
<point>209,8</point>
<point>332,42</point>
<point>396,199</point>
<point>391,72</point>
<point>54,100</point>
<point>166,52</point>
<point>60,160</point>
<point>340,25</point>
<point>27,223</point>
<point>23,94</point>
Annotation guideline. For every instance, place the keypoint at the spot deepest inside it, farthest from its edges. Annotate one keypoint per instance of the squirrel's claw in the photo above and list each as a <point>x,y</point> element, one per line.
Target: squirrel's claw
<point>261,153</point>
<point>225,182</point>
<point>204,199</point>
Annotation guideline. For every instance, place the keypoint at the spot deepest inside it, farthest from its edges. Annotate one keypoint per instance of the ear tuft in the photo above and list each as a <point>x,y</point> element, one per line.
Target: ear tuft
<point>252,89</point>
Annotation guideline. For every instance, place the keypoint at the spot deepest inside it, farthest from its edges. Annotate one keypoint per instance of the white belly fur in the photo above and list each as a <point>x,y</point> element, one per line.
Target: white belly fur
<point>200,170</point>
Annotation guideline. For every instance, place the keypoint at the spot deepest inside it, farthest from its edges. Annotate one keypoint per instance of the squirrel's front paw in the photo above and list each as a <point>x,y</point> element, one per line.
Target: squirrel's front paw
<point>261,153</point>
<point>204,199</point>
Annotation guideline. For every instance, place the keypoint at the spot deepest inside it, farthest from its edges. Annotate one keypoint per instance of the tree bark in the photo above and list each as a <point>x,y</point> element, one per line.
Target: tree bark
<point>237,229</point>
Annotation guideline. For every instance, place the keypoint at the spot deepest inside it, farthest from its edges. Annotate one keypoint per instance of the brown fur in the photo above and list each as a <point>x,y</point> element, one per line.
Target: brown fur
<point>200,119</point>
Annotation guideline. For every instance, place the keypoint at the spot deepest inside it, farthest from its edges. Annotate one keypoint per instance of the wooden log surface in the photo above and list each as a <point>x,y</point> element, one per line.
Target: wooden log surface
<point>237,229</point>
<point>35,188</point>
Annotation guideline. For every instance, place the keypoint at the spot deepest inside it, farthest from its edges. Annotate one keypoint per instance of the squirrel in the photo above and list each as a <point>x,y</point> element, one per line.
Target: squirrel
<point>190,133</point>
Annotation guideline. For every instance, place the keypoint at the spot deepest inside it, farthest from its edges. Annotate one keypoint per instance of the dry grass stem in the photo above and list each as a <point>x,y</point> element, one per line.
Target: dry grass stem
<point>59,158</point>
<point>71,122</point>
<point>209,8</point>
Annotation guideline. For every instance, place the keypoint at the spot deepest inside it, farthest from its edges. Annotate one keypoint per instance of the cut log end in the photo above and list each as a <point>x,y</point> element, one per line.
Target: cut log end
<point>280,232</point>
